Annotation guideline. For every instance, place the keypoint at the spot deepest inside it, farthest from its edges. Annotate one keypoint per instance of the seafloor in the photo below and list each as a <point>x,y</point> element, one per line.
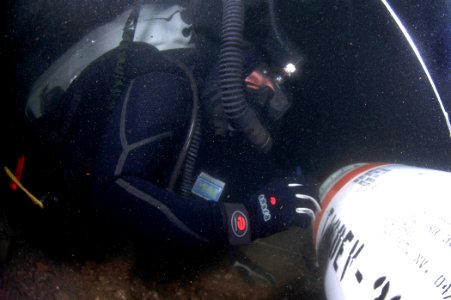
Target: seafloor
<point>279,267</point>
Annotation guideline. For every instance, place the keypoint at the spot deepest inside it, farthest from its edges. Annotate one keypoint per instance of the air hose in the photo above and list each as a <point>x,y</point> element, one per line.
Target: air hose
<point>237,110</point>
<point>188,154</point>
<point>124,49</point>
<point>191,157</point>
<point>285,49</point>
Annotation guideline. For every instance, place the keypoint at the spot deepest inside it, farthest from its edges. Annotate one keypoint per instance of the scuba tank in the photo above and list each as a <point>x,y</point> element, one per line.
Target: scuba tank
<point>385,233</point>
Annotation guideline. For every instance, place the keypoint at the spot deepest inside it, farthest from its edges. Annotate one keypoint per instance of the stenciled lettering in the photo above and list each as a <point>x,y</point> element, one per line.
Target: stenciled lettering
<point>336,236</point>
<point>355,250</point>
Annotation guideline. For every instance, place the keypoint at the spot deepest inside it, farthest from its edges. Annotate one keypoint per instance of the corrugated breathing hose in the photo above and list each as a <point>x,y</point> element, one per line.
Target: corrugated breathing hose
<point>237,110</point>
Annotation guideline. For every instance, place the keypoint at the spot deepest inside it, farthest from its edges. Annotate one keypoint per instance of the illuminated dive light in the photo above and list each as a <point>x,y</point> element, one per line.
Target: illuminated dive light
<point>289,69</point>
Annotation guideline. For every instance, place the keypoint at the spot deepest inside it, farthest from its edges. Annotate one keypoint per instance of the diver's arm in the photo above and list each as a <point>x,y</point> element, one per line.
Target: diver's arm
<point>164,215</point>
<point>135,148</point>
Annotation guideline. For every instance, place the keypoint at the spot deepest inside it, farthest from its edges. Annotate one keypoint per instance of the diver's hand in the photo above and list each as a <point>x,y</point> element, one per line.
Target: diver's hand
<point>281,204</point>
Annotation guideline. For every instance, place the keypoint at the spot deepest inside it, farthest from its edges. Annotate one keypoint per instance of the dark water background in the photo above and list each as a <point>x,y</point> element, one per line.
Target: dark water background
<point>362,95</point>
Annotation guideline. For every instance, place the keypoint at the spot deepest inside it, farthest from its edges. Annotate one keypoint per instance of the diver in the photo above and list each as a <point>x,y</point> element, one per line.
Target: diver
<point>171,133</point>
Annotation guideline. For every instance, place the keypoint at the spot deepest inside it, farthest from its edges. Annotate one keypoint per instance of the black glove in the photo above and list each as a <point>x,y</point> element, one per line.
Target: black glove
<point>281,204</point>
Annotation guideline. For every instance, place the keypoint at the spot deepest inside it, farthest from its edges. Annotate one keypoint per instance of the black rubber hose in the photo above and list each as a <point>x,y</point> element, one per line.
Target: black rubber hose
<point>231,78</point>
<point>275,25</point>
<point>191,158</point>
<point>280,38</point>
<point>192,142</point>
<point>283,51</point>
<point>128,35</point>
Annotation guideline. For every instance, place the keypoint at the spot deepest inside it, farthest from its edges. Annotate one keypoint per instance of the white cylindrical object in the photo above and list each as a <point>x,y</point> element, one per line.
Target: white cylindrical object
<point>385,233</point>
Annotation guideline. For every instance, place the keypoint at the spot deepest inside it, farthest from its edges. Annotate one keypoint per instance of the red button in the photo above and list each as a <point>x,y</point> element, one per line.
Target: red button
<point>241,223</point>
<point>272,200</point>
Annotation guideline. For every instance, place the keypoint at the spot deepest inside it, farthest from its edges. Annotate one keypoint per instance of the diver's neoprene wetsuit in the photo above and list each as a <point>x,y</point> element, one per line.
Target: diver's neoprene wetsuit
<point>139,144</point>
<point>124,149</point>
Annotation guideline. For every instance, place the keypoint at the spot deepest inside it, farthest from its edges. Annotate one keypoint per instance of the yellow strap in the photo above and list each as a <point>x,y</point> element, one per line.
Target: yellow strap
<point>16,181</point>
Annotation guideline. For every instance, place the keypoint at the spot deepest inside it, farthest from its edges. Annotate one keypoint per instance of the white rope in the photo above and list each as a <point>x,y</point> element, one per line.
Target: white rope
<point>311,199</point>
<point>307,211</point>
<point>420,59</point>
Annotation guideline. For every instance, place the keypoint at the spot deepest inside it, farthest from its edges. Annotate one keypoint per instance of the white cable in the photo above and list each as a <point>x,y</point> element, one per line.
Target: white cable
<point>420,59</point>
<point>311,199</point>
<point>306,211</point>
